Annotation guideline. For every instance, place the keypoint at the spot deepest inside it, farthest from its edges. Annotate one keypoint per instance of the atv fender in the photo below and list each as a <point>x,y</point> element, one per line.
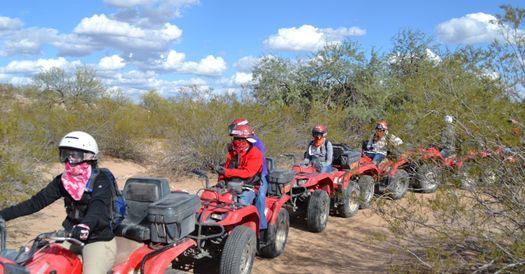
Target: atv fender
<point>157,263</point>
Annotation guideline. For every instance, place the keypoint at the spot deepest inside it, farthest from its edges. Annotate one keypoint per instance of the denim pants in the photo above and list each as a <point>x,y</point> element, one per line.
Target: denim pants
<point>376,157</point>
<point>246,197</point>
<point>326,169</point>
<point>260,203</point>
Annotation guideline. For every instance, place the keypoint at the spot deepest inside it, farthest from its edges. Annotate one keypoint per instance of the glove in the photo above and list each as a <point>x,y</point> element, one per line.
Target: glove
<point>220,169</point>
<point>80,232</point>
<point>220,184</point>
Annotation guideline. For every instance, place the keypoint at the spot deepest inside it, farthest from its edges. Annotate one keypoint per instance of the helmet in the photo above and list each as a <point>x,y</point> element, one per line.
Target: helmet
<point>242,131</point>
<point>237,122</point>
<point>382,125</point>
<point>75,143</point>
<point>319,130</point>
<point>449,119</point>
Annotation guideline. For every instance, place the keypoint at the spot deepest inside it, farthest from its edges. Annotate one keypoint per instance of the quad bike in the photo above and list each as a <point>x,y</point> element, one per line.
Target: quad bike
<point>352,169</point>
<point>317,194</point>
<point>426,168</point>
<point>230,230</point>
<point>145,244</point>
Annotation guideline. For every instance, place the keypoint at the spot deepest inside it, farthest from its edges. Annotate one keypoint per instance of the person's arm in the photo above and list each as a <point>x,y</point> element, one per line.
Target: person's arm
<point>222,177</point>
<point>307,157</point>
<point>43,198</point>
<point>329,154</point>
<point>97,213</point>
<point>253,165</point>
<point>394,140</point>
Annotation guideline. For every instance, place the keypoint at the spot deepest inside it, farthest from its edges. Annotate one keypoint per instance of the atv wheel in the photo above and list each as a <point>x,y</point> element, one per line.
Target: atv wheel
<point>427,178</point>
<point>398,185</point>
<point>318,210</point>
<point>350,204</point>
<point>366,185</point>
<point>238,253</point>
<point>277,235</point>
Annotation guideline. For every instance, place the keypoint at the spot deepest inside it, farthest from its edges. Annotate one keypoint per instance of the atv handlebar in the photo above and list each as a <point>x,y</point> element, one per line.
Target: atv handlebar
<point>59,236</point>
<point>202,174</point>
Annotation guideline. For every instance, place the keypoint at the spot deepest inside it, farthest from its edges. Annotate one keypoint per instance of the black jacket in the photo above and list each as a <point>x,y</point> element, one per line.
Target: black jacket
<point>92,209</point>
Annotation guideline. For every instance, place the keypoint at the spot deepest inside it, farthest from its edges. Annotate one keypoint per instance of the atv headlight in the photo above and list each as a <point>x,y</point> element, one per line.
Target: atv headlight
<point>218,216</point>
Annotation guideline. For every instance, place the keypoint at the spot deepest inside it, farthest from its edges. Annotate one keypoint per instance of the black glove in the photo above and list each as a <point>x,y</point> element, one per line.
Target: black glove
<point>80,232</point>
<point>220,184</point>
<point>220,169</point>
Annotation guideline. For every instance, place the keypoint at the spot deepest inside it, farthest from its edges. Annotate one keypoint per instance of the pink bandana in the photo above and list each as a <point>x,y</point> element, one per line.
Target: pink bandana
<point>75,178</point>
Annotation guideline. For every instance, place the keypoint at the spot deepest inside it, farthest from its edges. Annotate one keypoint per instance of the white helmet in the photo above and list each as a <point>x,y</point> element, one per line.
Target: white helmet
<point>449,119</point>
<point>80,140</point>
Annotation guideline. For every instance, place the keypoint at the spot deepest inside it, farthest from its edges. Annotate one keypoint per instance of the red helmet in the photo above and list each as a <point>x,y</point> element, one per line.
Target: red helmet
<point>242,131</point>
<point>382,125</point>
<point>237,122</point>
<point>319,130</point>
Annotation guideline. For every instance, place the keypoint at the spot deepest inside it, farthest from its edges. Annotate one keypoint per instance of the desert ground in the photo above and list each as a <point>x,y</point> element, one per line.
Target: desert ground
<point>343,247</point>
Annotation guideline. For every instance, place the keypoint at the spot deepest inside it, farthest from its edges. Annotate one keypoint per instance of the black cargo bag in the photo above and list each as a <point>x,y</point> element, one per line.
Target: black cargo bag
<point>344,156</point>
<point>172,217</point>
<point>277,180</point>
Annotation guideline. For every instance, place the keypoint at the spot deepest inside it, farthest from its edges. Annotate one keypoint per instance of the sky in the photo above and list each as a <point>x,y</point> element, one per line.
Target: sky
<point>165,45</point>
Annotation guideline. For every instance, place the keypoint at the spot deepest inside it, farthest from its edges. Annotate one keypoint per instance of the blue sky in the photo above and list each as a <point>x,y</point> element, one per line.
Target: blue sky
<point>139,45</point>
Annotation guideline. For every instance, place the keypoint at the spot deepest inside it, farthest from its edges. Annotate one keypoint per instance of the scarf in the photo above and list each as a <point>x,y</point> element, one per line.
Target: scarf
<point>318,142</point>
<point>75,178</point>
<point>240,145</point>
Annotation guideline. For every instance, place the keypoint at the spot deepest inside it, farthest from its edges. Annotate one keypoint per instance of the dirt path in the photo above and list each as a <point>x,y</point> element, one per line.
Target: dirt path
<point>344,247</point>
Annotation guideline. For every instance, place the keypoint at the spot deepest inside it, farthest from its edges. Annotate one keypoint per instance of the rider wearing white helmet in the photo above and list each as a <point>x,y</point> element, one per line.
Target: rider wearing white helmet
<point>87,203</point>
<point>448,137</point>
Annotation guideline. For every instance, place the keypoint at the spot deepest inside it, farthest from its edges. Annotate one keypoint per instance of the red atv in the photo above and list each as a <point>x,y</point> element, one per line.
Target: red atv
<point>317,193</point>
<point>230,230</point>
<point>152,235</point>
<point>352,168</point>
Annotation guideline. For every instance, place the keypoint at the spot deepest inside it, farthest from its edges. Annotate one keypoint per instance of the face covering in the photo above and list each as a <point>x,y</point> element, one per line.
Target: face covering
<point>318,141</point>
<point>240,145</point>
<point>75,178</point>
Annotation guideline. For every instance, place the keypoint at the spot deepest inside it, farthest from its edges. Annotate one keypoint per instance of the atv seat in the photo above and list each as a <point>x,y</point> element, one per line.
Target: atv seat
<point>139,192</point>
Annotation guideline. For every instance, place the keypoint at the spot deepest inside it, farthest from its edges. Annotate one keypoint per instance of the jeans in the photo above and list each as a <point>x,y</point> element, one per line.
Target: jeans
<point>326,169</point>
<point>246,197</point>
<point>260,203</point>
<point>376,157</point>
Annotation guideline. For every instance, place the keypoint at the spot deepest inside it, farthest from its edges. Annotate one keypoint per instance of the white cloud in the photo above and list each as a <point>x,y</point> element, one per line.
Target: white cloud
<point>210,65</point>
<point>246,63</point>
<point>149,13</point>
<point>26,41</point>
<point>309,38</point>
<point>113,62</point>
<point>470,29</point>
<point>32,67</point>
<point>101,25</point>
<point>242,78</point>
<point>7,23</point>
<point>170,32</point>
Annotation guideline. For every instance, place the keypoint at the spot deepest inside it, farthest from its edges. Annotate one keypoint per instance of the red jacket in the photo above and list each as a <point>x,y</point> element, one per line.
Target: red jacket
<point>250,163</point>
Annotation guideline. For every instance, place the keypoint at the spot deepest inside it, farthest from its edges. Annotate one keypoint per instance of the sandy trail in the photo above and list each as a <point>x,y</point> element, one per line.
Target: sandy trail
<point>344,247</point>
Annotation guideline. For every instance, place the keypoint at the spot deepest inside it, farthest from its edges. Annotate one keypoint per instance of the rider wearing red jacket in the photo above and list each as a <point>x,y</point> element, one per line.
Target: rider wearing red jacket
<point>243,162</point>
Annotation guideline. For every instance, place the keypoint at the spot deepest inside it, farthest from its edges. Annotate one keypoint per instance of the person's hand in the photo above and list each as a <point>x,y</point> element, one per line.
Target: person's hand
<point>80,232</point>
<point>220,169</point>
<point>220,184</point>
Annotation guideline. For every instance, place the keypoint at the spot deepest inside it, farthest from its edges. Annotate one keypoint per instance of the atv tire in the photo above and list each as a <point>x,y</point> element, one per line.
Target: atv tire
<point>277,236</point>
<point>427,178</point>
<point>398,185</point>
<point>350,204</point>
<point>366,186</point>
<point>238,253</point>
<point>318,211</point>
